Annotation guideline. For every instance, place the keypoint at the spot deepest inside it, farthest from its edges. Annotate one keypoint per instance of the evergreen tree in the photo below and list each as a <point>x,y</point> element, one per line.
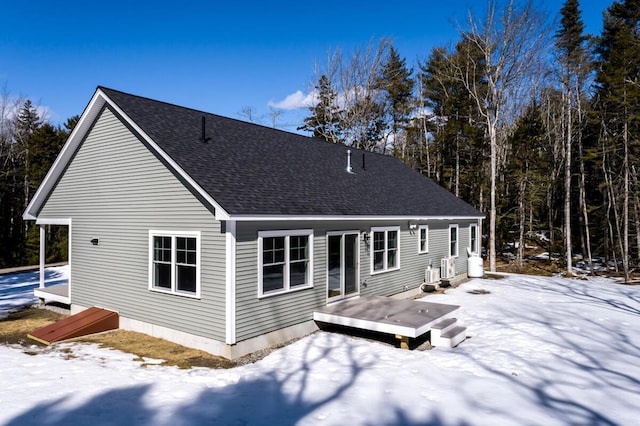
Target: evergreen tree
<point>458,135</point>
<point>397,85</point>
<point>324,121</point>
<point>617,106</point>
<point>574,66</point>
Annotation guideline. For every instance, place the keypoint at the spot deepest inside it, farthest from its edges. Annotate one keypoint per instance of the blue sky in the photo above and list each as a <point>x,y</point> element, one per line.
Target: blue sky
<point>215,56</point>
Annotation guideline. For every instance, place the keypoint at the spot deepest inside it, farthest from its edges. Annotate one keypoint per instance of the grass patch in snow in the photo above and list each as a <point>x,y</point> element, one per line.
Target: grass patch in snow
<point>149,349</point>
<point>15,327</point>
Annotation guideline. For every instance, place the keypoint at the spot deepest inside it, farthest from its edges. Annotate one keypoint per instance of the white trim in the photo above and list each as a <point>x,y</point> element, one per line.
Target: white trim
<point>267,217</point>
<point>173,235</point>
<point>457,253</point>
<point>230,282</point>
<point>78,134</point>
<point>420,229</point>
<point>473,249</point>
<point>286,234</point>
<point>386,230</point>
<point>69,248</point>
<point>53,221</point>
<point>42,255</point>
<point>342,254</point>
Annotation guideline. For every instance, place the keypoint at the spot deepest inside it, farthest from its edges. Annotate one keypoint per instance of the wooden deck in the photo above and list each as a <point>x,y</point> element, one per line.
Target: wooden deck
<point>55,293</point>
<point>406,318</point>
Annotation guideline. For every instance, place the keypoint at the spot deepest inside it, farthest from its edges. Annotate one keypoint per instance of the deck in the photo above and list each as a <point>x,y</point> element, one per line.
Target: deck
<point>55,293</point>
<point>406,318</point>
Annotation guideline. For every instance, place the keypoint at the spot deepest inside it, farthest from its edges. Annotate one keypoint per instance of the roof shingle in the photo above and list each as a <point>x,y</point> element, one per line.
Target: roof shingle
<point>254,170</point>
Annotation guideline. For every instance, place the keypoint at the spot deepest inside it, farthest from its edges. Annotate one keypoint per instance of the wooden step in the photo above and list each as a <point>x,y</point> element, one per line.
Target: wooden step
<point>89,321</point>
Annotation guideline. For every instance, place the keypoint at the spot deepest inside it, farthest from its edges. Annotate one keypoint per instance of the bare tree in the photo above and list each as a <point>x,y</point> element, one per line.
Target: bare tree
<point>362,116</point>
<point>512,38</point>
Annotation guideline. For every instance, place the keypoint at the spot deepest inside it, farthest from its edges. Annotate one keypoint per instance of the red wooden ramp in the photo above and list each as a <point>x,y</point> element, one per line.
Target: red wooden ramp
<point>89,321</point>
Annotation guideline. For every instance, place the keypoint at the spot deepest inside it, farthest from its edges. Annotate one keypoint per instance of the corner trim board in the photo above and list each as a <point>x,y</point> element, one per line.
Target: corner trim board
<point>230,281</point>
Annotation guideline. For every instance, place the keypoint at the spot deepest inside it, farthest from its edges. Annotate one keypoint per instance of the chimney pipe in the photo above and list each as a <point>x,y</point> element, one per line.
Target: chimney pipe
<point>203,137</point>
<point>349,168</point>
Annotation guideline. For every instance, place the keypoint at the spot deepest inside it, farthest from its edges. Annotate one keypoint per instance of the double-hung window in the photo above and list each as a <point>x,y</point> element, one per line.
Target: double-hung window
<point>285,261</point>
<point>385,252</point>
<point>174,265</point>
<point>473,238</point>
<point>423,239</point>
<point>453,240</point>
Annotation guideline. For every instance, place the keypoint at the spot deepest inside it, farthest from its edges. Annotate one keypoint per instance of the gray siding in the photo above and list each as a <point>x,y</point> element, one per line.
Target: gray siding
<point>117,190</point>
<point>255,316</point>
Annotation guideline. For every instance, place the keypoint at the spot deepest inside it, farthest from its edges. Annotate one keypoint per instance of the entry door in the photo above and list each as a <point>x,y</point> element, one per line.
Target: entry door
<point>343,253</point>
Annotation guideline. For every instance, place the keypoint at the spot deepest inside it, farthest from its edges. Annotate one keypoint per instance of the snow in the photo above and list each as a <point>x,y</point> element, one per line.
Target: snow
<point>16,290</point>
<point>541,350</point>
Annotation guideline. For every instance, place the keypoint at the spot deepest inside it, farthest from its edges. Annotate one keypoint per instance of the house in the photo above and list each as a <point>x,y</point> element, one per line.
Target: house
<point>226,236</point>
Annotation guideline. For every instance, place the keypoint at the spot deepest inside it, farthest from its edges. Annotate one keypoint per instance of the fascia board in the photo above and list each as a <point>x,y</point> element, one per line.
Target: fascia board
<point>254,218</point>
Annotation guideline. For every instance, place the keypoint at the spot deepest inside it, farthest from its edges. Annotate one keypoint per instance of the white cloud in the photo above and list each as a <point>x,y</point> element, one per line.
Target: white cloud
<point>296,100</point>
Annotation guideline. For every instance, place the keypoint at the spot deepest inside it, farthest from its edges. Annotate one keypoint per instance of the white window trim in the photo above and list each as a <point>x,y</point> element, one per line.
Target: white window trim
<point>471,248</point>
<point>384,229</point>
<point>457,253</point>
<point>173,235</point>
<point>286,234</point>
<point>426,249</point>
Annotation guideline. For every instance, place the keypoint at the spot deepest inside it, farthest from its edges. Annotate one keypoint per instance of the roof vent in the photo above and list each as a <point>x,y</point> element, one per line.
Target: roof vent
<point>349,168</point>
<point>203,137</point>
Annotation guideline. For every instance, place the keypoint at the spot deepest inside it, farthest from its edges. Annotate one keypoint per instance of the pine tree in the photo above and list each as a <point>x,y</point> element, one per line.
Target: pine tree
<point>397,85</point>
<point>324,121</point>
<point>617,106</point>
<point>574,67</point>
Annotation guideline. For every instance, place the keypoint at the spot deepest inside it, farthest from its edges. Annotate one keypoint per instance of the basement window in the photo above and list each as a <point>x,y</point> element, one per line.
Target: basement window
<point>285,261</point>
<point>174,262</point>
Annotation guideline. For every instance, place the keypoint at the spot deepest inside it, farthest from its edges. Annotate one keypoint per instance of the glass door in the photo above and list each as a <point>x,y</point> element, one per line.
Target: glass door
<point>342,265</point>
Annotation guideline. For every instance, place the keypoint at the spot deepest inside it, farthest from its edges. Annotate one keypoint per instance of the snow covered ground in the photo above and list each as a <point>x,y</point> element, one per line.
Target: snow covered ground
<point>16,290</point>
<point>542,351</point>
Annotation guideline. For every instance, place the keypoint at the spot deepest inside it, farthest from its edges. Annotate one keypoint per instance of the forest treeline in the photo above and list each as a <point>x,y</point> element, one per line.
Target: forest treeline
<point>525,116</point>
<point>28,147</point>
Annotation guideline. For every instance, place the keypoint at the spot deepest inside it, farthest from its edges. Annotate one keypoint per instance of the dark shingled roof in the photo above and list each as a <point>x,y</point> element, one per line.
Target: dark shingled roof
<point>254,170</point>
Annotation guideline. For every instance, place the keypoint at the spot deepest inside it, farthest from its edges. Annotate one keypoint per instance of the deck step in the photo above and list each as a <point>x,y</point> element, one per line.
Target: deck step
<point>89,321</point>
<point>451,338</point>
<point>444,325</point>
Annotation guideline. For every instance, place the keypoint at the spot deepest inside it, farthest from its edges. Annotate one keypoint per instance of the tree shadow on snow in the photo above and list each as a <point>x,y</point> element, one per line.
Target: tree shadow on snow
<point>282,395</point>
<point>588,352</point>
<point>116,407</point>
<point>16,290</point>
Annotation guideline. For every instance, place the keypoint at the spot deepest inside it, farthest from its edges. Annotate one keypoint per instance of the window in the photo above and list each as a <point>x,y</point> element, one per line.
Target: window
<point>385,253</point>
<point>175,262</point>
<point>473,238</point>
<point>285,261</point>
<point>423,239</point>
<point>453,240</point>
